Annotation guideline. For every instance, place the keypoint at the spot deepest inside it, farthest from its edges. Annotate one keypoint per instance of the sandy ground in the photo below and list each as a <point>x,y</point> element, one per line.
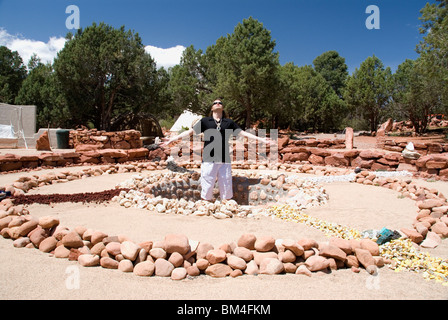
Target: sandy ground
<point>31,274</point>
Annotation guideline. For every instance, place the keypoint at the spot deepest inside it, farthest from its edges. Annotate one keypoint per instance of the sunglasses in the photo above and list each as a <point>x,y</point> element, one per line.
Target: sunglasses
<point>217,102</point>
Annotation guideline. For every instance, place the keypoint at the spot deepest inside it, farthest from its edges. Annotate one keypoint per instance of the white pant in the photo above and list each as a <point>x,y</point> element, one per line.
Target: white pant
<point>209,173</point>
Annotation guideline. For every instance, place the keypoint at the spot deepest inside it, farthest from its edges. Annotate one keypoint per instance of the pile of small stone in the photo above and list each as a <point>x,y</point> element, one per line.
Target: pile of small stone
<point>179,193</point>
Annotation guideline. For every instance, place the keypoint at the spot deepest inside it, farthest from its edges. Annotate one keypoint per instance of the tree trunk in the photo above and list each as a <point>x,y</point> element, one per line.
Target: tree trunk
<point>248,115</point>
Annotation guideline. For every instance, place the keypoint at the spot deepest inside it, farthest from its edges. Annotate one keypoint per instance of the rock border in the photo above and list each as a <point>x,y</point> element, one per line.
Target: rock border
<point>47,235</point>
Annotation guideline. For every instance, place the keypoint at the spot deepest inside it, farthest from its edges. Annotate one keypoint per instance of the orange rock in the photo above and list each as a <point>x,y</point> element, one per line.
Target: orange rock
<point>218,270</point>
<point>43,142</point>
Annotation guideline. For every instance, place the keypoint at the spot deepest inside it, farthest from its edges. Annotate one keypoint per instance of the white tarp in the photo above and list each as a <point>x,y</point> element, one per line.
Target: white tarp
<point>185,120</point>
<point>6,132</point>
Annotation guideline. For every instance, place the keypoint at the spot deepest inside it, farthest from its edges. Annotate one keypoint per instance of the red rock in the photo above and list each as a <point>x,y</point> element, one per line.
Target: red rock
<point>337,160</point>
<point>247,241</point>
<point>243,253</point>
<point>316,263</point>
<point>364,257</point>
<point>202,249</point>
<point>27,227</point>
<point>202,264</point>
<point>287,256</point>
<point>294,157</point>
<point>144,269</point>
<point>421,228</point>
<point>21,242</point>
<point>430,203</point>
<point>251,268</point>
<point>176,243</point>
<point>113,153</point>
<point>125,265</point>
<point>302,269</point>
<point>432,164</point>
<point>294,246</point>
<point>97,236</point>
<point>349,138</point>
<point>440,228</point>
<point>412,234</point>
<point>113,248</point>
<point>371,154</point>
<point>72,240</point>
<point>4,222</point>
<point>48,244</point>
<point>271,266</point>
<point>260,256</point>
<point>43,142</point>
<point>48,222</point>
<point>352,261</point>
<point>307,244</point>
<point>147,245</point>
<point>61,252</point>
<point>193,271</point>
<point>371,246</point>
<point>236,262</point>
<point>137,153</point>
<point>89,260</point>
<point>179,274</point>
<point>218,270</point>
<point>176,259</point>
<point>157,253</point>
<point>163,268</point>
<point>342,244</point>
<point>264,244</point>
<point>216,256</point>
<point>316,160</point>
<point>98,248</point>
<point>331,251</point>
<point>109,263</point>
<point>378,166</point>
<point>289,267</point>
<point>432,240</point>
<point>236,273</point>
<point>129,250</point>
<point>38,235</point>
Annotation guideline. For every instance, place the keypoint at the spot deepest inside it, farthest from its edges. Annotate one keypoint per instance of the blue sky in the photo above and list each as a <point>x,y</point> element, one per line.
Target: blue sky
<point>302,29</point>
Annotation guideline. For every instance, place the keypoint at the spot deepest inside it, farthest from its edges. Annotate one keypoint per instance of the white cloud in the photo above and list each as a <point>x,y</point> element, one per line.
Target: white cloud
<point>27,47</point>
<point>166,57</point>
<point>47,51</point>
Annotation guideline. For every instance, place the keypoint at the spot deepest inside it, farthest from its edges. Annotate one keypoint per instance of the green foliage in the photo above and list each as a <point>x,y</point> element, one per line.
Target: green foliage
<point>333,68</point>
<point>368,90</point>
<point>41,88</point>
<point>189,84</point>
<point>433,49</point>
<point>12,74</point>
<point>308,100</point>
<point>105,72</point>
<point>245,67</point>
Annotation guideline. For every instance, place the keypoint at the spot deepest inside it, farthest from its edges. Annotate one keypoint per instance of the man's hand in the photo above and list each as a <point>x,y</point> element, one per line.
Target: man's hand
<point>165,142</point>
<point>268,141</point>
